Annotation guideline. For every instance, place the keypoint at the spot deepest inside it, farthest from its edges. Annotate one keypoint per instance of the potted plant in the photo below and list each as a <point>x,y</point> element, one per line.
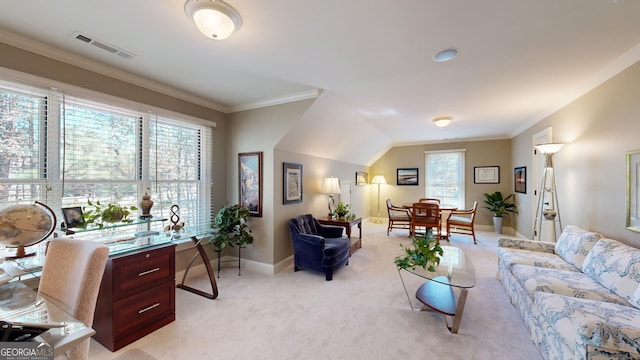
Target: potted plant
<point>499,206</point>
<point>425,252</point>
<point>97,214</point>
<point>342,210</point>
<point>231,228</point>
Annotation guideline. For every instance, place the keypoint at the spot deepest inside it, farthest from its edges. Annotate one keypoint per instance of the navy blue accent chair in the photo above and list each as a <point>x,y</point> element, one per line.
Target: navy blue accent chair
<point>318,247</point>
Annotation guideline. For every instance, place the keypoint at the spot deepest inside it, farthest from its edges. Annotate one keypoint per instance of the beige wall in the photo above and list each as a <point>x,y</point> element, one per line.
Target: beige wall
<point>598,129</point>
<point>478,153</point>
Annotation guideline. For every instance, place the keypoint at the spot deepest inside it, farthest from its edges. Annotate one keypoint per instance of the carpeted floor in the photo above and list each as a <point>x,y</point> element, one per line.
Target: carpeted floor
<point>362,314</point>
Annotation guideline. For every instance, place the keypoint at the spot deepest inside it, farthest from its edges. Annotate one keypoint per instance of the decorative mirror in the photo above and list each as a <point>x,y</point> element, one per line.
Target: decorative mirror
<point>633,190</point>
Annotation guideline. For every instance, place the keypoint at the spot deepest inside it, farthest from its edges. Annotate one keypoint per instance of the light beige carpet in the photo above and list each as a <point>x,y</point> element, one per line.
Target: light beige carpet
<point>134,354</point>
<point>362,314</point>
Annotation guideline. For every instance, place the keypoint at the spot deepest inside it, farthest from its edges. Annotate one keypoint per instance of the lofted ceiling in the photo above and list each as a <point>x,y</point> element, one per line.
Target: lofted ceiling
<point>371,60</point>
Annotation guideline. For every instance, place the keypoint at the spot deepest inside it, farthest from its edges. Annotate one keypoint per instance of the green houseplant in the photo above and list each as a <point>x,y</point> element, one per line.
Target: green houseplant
<point>424,252</point>
<point>499,206</point>
<point>97,214</point>
<point>231,228</point>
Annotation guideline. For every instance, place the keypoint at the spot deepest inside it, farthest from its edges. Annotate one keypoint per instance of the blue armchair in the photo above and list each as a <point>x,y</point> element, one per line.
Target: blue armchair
<point>318,247</point>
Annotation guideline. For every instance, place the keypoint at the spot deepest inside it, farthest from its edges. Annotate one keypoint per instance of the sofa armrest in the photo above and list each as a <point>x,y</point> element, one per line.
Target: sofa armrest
<point>525,244</point>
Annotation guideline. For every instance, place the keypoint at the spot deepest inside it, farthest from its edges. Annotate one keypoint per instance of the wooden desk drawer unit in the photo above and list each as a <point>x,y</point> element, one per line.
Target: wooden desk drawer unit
<point>137,296</point>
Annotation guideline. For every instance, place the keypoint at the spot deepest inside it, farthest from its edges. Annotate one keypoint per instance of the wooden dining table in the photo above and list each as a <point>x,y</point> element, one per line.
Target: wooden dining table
<point>444,209</point>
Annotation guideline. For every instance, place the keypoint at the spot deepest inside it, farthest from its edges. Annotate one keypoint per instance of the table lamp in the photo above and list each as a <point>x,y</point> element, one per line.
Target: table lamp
<point>331,186</point>
<point>378,179</point>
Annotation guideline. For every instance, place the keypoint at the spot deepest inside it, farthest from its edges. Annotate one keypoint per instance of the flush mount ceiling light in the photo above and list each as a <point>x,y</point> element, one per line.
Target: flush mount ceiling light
<point>446,55</point>
<point>442,121</point>
<point>215,19</point>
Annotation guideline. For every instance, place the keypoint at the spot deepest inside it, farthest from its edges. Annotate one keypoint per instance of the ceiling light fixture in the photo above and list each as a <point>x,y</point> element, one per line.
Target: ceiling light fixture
<point>215,19</point>
<point>442,121</point>
<point>446,55</point>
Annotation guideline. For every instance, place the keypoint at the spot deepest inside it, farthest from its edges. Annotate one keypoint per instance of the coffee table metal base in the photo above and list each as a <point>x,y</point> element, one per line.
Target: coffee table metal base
<point>437,295</point>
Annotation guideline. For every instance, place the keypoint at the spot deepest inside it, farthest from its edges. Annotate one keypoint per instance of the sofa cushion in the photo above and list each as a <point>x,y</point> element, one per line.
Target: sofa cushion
<point>582,324</point>
<point>574,244</point>
<point>510,257</point>
<point>562,282</point>
<point>615,266</point>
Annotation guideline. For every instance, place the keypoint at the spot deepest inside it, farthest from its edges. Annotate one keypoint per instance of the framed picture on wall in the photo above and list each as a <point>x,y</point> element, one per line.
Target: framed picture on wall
<point>407,176</point>
<point>362,178</point>
<point>250,182</point>
<point>291,183</point>
<point>486,174</point>
<point>520,179</point>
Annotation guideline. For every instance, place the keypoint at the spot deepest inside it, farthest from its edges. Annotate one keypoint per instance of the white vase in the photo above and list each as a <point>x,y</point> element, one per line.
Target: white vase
<point>497,224</point>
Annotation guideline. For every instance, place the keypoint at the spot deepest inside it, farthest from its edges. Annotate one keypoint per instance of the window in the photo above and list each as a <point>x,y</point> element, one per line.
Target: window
<point>444,177</point>
<point>64,150</point>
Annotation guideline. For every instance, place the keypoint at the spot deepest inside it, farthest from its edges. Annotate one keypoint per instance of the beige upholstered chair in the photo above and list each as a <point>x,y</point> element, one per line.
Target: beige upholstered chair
<point>461,222</point>
<point>399,217</point>
<point>71,279</point>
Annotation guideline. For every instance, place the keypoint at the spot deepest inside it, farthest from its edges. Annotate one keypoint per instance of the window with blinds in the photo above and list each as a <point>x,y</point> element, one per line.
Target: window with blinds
<point>445,177</point>
<point>84,150</point>
<point>23,121</point>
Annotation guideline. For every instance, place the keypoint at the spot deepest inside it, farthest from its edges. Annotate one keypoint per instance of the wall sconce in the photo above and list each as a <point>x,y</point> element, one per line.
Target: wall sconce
<point>378,179</point>
<point>331,186</point>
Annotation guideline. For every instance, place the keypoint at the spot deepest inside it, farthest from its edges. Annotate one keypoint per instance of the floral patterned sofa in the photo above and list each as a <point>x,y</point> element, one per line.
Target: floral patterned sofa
<point>579,297</point>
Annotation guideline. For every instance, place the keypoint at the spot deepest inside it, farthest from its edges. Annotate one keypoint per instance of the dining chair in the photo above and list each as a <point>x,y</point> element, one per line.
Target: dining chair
<point>71,278</point>
<point>461,222</point>
<point>425,215</point>
<point>399,217</point>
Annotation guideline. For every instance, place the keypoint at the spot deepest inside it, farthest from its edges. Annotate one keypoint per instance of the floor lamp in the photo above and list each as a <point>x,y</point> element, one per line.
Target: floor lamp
<point>548,209</point>
<point>331,186</point>
<point>378,179</point>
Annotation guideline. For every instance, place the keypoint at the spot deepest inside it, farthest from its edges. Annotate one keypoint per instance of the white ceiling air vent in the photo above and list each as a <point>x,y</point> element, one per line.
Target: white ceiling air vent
<point>102,45</point>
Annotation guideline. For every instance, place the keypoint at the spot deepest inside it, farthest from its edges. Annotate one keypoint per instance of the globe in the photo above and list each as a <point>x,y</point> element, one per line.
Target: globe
<point>25,225</point>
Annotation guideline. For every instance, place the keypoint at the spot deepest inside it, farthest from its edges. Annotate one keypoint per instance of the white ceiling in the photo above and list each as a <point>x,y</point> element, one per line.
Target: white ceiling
<point>519,59</point>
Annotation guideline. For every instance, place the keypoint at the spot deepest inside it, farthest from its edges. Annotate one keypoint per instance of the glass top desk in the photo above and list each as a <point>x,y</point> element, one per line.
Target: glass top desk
<point>19,303</point>
<point>454,271</point>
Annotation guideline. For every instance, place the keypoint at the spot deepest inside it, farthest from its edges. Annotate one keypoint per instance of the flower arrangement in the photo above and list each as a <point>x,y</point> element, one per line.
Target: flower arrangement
<point>424,253</point>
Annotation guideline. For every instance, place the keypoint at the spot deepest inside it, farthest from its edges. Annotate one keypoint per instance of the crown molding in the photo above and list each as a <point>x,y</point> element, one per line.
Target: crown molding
<point>309,94</point>
<point>100,68</point>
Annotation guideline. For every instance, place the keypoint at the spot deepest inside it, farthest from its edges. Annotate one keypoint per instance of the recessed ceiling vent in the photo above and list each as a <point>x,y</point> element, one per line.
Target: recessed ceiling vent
<point>102,45</point>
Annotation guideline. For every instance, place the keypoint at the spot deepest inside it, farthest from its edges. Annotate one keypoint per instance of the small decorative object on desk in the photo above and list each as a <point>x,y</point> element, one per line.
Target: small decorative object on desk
<point>146,205</point>
<point>424,253</point>
<point>175,220</point>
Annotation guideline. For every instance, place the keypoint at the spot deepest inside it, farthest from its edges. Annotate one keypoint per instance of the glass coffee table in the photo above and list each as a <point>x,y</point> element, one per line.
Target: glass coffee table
<point>454,271</point>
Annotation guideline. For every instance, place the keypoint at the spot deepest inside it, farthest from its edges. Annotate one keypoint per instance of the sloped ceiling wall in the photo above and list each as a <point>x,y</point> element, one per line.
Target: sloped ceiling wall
<point>332,130</point>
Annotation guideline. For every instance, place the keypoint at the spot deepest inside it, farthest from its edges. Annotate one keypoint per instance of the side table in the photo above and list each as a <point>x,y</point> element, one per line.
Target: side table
<point>347,224</point>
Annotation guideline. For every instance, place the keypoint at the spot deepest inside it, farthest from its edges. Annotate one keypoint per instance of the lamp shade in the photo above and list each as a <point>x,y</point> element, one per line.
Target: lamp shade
<point>331,186</point>
<point>550,148</point>
<point>379,179</point>
<point>215,19</point>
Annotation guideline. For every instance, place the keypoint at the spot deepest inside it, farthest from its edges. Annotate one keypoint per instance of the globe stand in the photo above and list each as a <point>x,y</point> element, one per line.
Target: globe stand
<point>20,253</point>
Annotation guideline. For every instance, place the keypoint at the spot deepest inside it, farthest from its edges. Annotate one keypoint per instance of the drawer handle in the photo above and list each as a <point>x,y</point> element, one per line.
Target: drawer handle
<point>148,308</point>
<point>148,272</point>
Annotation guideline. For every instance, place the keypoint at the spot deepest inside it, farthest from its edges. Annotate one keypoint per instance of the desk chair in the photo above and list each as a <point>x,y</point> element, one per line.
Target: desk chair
<point>71,278</point>
<point>461,222</point>
<point>427,215</point>
<point>399,217</point>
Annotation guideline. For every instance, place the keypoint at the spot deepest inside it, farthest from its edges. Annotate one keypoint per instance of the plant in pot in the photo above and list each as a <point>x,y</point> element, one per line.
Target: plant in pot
<point>424,252</point>
<point>230,225</point>
<point>342,210</point>
<point>499,206</point>
<point>97,214</point>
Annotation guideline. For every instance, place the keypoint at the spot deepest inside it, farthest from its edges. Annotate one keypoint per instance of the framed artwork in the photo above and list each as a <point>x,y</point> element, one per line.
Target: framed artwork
<point>291,183</point>
<point>407,176</point>
<point>250,182</point>
<point>486,174</point>
<point>72,216</point>
<point>520,179</point>
<point>362,178</point>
